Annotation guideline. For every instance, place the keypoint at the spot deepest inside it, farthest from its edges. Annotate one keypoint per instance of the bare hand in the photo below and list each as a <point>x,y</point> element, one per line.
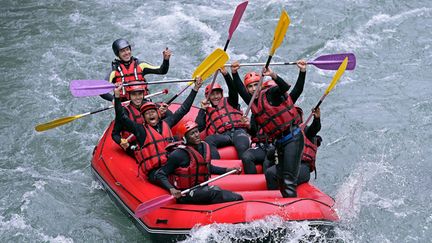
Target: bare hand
<point>163,109</point>
<point>269,72</point>
<point>166,54</point>
<point>117,90</point>
<point>316,112</point>
<point>205,104</point>
<point>198,83</point>
<point>238,169</point>
<point>124,143</point>
<point>245,120</point>
<point>235,66</point>
<point>223,71</point>
<point>176,193</point>
<point>301,64</point>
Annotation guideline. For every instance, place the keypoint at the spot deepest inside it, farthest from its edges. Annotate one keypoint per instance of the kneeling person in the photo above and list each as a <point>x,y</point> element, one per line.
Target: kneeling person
<point>189,165</point>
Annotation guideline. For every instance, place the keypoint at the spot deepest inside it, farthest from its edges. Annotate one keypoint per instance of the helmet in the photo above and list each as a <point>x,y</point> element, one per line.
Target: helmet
<point>186,127</point>
<point>251,77</point>
<point>269,83</point>
<point>141,87</point>
<point>120,44</point>
<point>215,87</point>
<point>148,106</point>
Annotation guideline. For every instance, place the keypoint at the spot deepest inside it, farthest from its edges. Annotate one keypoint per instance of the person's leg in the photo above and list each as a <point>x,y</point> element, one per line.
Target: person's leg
<point>289,155</point>
<point>252,157</point>
<point>271,178</point>
<point>304,174</point>
<point>216,141</point>
<point>209,195</point>
<point>241,141</point>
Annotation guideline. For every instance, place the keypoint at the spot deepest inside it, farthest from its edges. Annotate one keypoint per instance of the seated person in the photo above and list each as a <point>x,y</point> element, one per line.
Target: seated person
<point>189,165</point>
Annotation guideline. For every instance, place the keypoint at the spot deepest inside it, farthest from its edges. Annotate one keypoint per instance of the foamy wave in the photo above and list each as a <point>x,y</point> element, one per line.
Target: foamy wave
<point>39,185</point>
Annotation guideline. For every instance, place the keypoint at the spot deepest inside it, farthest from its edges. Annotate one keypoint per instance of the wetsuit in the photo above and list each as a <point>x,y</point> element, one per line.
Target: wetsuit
<point>290,142</point>
<point>202,195</point>
<point>138,129</point>
<point>305,170</point>
<point>235,136</point>
<point>146,69</point>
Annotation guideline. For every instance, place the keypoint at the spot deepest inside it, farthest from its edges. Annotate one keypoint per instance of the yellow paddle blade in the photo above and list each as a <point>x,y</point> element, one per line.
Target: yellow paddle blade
<point>280,31</point>
<point>56,123</point>
<point>337,76</point>
<point>213,62</point>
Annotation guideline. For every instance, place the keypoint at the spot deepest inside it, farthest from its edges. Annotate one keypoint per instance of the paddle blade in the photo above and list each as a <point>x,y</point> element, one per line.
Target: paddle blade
<point>82,88</point>
<point>280,31</point>
<point>56,123</point>
<point>333,61</point>
<point>213,62</point>
<point>236,18</point>
<point>337,76</point>
<point>155,203</point>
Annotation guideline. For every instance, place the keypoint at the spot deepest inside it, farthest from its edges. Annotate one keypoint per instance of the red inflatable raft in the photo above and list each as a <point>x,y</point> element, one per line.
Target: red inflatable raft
<point>117,171</point>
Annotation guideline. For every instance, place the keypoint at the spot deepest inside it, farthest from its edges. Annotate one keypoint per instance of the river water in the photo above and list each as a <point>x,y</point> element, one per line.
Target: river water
<point>376,123</point>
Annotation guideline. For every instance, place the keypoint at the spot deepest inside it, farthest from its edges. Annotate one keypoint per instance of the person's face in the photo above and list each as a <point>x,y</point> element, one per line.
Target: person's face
<point>215,97</point>
<point>125,54</point>
<point>136,98</point>
<point>193,137</point>
<point>252,87</point>
<point>151,117</point>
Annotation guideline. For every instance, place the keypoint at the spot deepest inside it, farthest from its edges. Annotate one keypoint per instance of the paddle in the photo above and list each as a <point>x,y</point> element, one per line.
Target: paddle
<point>326,62</point>
<point>279,34</point>
<point>333,83</point>
<point>233,26</point>
<point>61,121</point>
<point>82,88</point>
<point>155,203</point>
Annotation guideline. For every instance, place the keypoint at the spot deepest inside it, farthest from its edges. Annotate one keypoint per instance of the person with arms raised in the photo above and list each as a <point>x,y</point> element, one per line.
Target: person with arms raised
<point>188,165</point>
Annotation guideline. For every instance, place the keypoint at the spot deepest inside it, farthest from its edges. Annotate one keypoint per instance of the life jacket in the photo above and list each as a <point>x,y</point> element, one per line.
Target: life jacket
<point>152,153</point>
<point>197,171</point>
<point>274,120</point>
<point>309,153</point>
<point>222,118</point>
<point>134,115</point>
<point>261,137</point>
<point>121,74</point>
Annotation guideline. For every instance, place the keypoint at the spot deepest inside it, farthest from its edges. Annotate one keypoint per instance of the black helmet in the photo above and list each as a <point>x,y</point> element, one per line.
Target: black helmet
<point>120,44</point>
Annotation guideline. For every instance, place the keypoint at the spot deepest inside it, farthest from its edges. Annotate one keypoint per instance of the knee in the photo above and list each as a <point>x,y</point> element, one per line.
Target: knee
<point>247,156</point>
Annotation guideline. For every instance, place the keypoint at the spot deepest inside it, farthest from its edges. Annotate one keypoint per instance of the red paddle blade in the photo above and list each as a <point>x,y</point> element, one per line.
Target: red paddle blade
<point>155,203</point>
<point>82,88</point>
<point>236,18</point>
<point>333,61</point>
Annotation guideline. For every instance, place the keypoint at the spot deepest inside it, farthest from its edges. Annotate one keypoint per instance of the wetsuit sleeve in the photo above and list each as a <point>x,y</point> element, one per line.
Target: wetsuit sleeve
<point>233,99</point>
<point>177,158</point>
<point>127,123</point>
<point>312,130</point>
<point>241,89</point>
<point>217,170</point>
<point>182,111</point>
<point>253,130</point>
<point>200,120</point>
<point>149,69</point>
<point>115,134</point>
<point>298,88</point>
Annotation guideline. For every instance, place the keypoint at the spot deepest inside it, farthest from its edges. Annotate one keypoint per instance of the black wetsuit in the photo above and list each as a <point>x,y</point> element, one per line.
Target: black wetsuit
<point>163,69</point>
<point>236,136</point>
<point>290,151</point>
<point>202,195</point>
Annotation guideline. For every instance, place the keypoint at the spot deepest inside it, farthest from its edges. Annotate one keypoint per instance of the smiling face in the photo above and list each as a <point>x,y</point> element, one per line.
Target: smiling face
<point>151,117</point>
<point>215,96</point>
<point>193,137</point>
<point>136,98</point>
<point>125,54</point>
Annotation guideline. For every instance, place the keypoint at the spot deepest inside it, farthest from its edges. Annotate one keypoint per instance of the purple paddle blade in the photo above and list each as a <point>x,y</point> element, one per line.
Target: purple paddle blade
<point>153,204</point>
<point>83,88</point>
<point>236,18</point>
<point>333,61</point>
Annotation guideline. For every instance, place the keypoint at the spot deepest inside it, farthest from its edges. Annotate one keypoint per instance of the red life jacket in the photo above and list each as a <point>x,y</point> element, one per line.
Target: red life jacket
<point>134,115</point>
<point>197,171</point>
<point>152,153</point>
<point>274,120</point>
<point>222,118</point>
<point>126,75</point>
<point>309,153</point>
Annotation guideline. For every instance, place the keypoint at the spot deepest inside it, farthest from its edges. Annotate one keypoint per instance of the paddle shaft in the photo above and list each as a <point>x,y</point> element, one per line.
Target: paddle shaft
<point>251,64</point>
<point>209,181</point>
<point>316,107</point>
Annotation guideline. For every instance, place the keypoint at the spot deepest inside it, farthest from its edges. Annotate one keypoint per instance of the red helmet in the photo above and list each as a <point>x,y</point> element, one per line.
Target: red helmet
<point>215,87</point>
<point>184,128</point>
<point>251,77</point>
<point>148,106</point>
<point>141,87</point>
<point>269,83</point>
